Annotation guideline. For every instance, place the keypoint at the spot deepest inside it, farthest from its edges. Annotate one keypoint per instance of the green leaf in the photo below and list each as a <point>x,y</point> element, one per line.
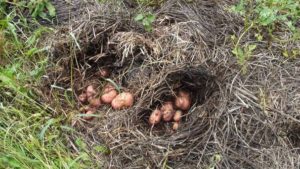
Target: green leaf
<point>150,18</point>
<point>37,10</point>
<point>42,134</point>
<point>11,27</point>
<point>51,9</point>
<point>148,28</point>
<point>290,25</point>
<point>80,143</point>
<point>251,47</point>
<point>7,79</point>
<point>43,15</point>
<point>285,53</point>
<point>234,51</point>
<point>139,17</point>
<point>267,16</point>
<point>239,8</point>
<point>259,37</point>
<point>233,38</point>
<point>146,22</point>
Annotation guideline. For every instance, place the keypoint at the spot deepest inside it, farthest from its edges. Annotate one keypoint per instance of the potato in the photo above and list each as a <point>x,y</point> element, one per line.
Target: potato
<point>109,97</point>
<point>167,111</point>
<point>95,102</point>
<point>167,106</point>
<point>82,97</point>
<point>175,125</point>
<point>122,100</point>
<point>108,88</point>
<point>103,72</point>
<point>90,112</point>
<point>109,93</point>
<point>177,116</point>
<point>90,91</point>
<point>167,115</point>
<point>155,117</point>
<point>183,100</point>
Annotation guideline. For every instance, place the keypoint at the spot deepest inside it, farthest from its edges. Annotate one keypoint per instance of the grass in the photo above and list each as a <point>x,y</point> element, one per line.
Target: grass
<point>31,136</point>
<point>263,18</point>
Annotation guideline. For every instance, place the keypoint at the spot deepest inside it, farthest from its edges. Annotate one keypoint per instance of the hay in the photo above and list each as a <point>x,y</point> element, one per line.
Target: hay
<point>248,121</point>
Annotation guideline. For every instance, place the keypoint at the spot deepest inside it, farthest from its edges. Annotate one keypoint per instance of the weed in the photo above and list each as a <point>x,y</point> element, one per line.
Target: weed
<point>270,16</point>
<point>214,160</point>
<point>37,8</point>
<point>242,52</point>
<point>146,19</point>
<point>269,13</point>
<point>41,8</point>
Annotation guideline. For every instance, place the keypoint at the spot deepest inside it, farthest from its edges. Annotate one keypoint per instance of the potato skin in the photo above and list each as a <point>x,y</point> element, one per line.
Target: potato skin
<point>176,125</point>
<point>129,99</point>
<point>183,100</point>
<point>89,111</point>
<point>90,91</point>
<point>117,104</point>
<point>177,116</point>
<point>168,115</point>
<point>95,102</point>
<point>109,93</point>
<point>167,111</point>
<point>167,106</point>
<point>103,72</point>
<point>155,117</point>
<point>123,100</point>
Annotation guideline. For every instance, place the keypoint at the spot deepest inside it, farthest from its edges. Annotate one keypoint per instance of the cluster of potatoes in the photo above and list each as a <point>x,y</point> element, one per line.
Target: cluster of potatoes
<point>169,111</point>
<point>109,95</point>
<point>172,110</point>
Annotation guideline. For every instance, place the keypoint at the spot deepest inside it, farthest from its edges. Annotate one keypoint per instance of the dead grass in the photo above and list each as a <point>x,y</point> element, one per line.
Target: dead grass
<point>249,121</point>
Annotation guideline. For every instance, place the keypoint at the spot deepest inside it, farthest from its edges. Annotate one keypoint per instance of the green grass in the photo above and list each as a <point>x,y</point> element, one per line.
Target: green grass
<point>32,135</point>
<point>262,18</point>
<point>269,15</point>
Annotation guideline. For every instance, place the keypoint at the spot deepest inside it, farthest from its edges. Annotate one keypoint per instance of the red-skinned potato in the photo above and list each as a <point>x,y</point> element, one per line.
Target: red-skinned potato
<point>167,111</point>
<point>89,112</point>
<point>82,97</point>
<point>183,100</point>
<point>155,117</point>
<point>103,72</point>
<point>95,102</point>
<point>176,125</point>
<point>90,91</point>
<point>177,116</point>
<point>168,115</point>
<point>122,100</point>
<point>109,93</point>
<point>167,106</point>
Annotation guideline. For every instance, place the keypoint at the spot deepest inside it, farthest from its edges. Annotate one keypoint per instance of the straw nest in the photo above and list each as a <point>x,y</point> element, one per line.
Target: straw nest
<point>248,121</point>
